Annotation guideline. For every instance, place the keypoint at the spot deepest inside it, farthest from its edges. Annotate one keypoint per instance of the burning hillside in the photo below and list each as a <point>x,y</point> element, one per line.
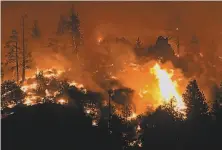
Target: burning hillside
<point>153,86</point>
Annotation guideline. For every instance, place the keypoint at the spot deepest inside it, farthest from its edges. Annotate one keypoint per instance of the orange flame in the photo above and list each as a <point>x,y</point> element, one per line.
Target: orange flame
<point>168,88</point>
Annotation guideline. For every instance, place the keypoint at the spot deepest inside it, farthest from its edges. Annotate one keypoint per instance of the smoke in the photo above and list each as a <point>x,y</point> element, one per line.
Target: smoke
<point>112,63</point>
<point>108,59</point>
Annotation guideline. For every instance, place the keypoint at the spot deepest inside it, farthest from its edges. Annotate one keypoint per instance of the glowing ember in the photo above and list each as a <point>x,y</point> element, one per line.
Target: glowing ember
<point>99,40</point>
<point>62,101</point>
<point>133,116</point>
<point>88,111</point>
<point>26,88</point>
<point>73,83</point>
<point>167,86</point>
<point>47,93</point>
<point>113,77</point>
<point>11,105</point>
<point>201,55</point>
<point>138,128</point>
<point>140,144</point>
<point>29,102</point>
<point>94,123</point>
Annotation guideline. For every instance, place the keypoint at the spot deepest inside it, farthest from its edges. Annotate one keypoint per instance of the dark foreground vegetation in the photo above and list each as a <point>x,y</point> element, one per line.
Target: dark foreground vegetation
<point>64,127</point>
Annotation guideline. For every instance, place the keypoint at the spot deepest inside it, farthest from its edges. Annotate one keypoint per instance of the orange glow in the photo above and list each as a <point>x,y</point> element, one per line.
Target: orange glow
<point>167,87</point>
<point>99,40</point>
<point>201,55</point>
<point>11,105</point>
<point>29,101</point>
<point>138,128</point>
<point>94,123</point>
<point>26,88</point>
<point>132,117</point>
<point>62,101</point>
<point>47,93</point>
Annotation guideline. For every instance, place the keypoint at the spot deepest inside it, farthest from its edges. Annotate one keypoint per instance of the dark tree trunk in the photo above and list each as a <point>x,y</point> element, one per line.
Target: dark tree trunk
<point>17,64</point>
<point>23,45</point>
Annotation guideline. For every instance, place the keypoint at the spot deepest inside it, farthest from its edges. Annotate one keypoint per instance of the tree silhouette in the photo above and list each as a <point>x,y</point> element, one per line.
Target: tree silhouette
<point>138,47</point>
<point>161,128</point>
<point>73,26</point>
<point>70,25</point>
<point>194,47</point>
<point>35,30</point>
<point>24,46</point>
<point>61,25</point>
<point>195,101</point>
<point>138,43</point>
<point>161,51</point>
<point>27,57</point>
<point>13,54</point>
<point>2,72</point>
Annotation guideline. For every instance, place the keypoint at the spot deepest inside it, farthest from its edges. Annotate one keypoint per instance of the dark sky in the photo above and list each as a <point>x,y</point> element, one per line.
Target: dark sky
<point>130,19</point>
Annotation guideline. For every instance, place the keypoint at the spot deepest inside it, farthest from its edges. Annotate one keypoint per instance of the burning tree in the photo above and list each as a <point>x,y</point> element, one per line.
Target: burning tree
<point>13,54</point>
<point>195,101</point>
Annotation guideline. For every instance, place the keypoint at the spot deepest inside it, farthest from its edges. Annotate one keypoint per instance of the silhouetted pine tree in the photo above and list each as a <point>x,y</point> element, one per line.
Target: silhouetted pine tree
<point>73,26</point>
<point>35,30</point>
<point>13,53</point>
<point>195,101</point>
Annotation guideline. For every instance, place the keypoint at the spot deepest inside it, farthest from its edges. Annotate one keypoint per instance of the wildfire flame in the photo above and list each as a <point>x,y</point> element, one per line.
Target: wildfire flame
<point>168,88</point>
